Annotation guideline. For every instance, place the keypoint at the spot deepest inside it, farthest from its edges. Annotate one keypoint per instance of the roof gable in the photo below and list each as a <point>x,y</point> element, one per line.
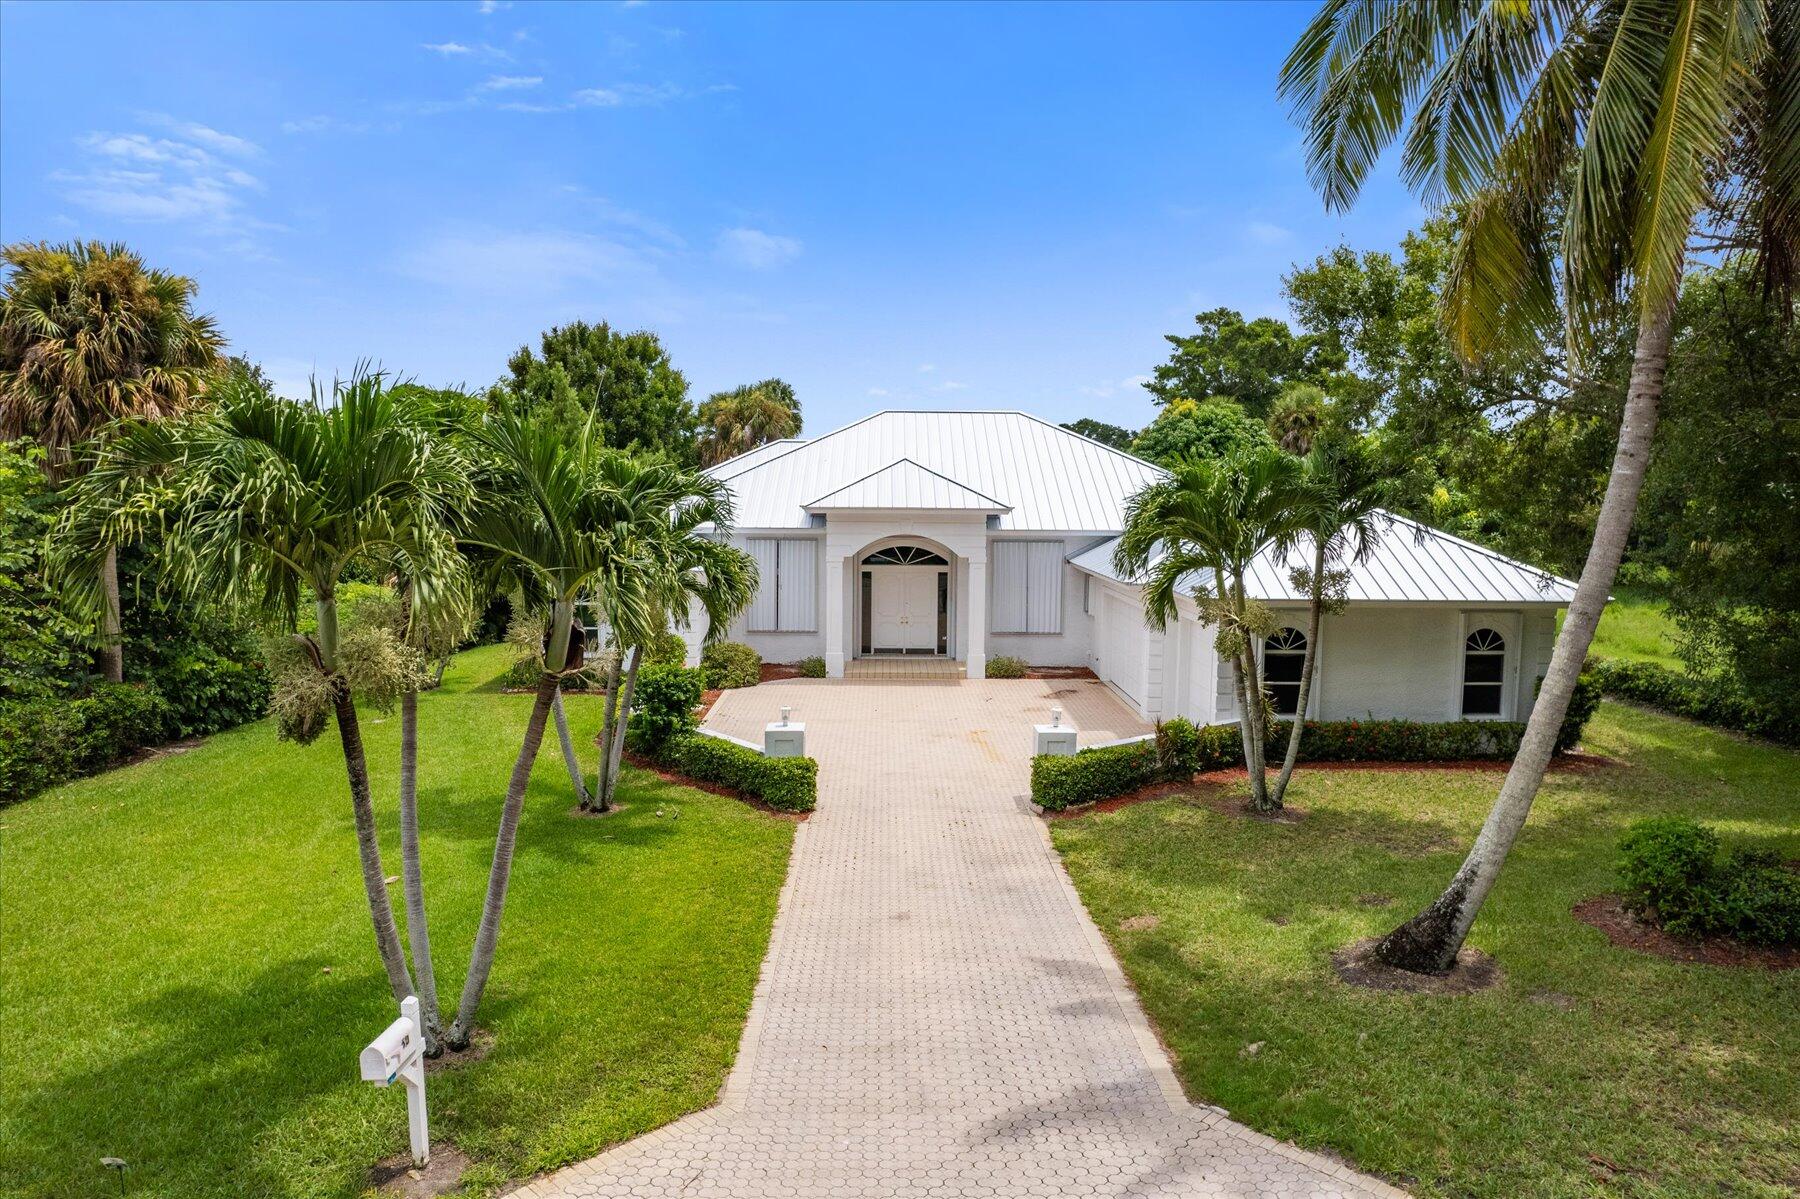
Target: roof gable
<point>904,484</point>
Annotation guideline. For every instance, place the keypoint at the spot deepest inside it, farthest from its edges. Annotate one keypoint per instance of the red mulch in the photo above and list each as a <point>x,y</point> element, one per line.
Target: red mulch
<point>1060,672</point>
<point>670,776</point>
<point>1624,929</point>
<point>707,700</point>
<point>772,671</point>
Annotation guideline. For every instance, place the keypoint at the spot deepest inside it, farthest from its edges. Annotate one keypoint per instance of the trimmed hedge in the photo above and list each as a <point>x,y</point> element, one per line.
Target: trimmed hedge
<point>1672,875</point>
<point>728,664</point>
<point>1712,701</point>
<point>46,741</point>
<point>785,784</point>
<point>1180,749</point>
<point>1005,666</point>
<point>811,668</point>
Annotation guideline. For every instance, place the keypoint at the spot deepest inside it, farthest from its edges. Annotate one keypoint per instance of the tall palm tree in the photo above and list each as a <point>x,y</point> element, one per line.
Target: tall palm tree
<point>732,422</point>
<point>1297,417</point>
<point>1579,142</point>
<point>1199,529</point>
<point>88,336</point>
<point>1338,519</point>
<point>565,513</point>
<point>269,502</point>
<point>692,563</point>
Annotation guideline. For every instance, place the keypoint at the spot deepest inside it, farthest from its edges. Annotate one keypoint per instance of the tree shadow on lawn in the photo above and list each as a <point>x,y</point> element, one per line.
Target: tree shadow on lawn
<point>239,1090</point>
<point>458,814</point>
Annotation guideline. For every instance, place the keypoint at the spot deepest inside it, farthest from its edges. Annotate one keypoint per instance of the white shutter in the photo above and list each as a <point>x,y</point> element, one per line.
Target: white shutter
<point>1010,561</point>
<point>1043,587</point>
<point>798,604</point>
<point>762,608</point>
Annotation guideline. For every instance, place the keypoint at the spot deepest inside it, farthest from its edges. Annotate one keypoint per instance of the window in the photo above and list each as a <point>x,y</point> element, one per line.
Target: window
<point>904,555</point>
<point>1484,673</point>
<point>1284,653</point>
<point>787,591</point>
<point>1027,586</point>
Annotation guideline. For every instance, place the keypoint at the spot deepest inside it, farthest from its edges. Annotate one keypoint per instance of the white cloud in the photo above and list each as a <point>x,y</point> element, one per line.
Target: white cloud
<point>204,135</point>
<point>508,83</point>
<point>878,391</point>
<point>448,48</point>
<point>320,123</point>
<point>1267,234</point>
<point>952,385</point>
<point>756,250</point>
<point>137,177</point>
<point>489,7</point>
<point>1125,386</point>
<point>925,368</point>
<point>522,262</point>
<point>630,95</point>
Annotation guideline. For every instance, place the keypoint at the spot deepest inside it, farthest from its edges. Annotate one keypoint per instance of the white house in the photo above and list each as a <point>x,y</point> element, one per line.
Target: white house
<point>965,535</point>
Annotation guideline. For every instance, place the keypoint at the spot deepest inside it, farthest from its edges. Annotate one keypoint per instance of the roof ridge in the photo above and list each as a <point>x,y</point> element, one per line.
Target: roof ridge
<point>1126,454</point>
<point>915,465</point>
<point>1483,550</point>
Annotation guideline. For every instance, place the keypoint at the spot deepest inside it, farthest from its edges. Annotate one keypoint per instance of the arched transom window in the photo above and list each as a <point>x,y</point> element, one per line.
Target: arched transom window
<point>1484,672</point>
<point>1283,655</point>
<point>904,555</point>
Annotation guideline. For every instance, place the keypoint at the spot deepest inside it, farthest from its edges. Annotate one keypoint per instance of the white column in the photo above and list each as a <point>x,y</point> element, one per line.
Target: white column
<point>834,614</point>
<point>975,647</point>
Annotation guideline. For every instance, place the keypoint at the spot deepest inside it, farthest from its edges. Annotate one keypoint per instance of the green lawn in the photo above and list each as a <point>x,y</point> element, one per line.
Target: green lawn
<point>1635,628</point>
<point>189,970</point>
<point>1684,1078</point>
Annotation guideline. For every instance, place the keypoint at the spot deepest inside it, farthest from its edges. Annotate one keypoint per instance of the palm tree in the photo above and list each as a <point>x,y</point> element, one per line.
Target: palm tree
<point>1579,141</point>
<point>732,422</point>
<point>566,513</point>
<point>88,336</point>
<point>1297,417</point>
<point>692,563</point>
<point>1338,516</point>
<point>269,502</point>
<point>1199,529</point>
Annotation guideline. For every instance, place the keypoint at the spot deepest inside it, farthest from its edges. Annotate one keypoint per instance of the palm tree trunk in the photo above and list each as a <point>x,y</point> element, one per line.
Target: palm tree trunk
<point>487,936</point>
<point>1249,683</point>
<point>614,751</point>
<point>1317,609</point>
<point>609,721</point>
<point>1429,942</point>
<point>412,874</point>
<point>568,750</point>
<point>381,912</point>
<point>112,636</point>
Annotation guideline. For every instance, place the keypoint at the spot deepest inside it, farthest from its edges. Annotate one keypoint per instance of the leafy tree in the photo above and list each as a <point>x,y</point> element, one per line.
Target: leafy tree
<point>1116,436</point>
<point>1246,361</point>
<point>90,335</point>
<point>1581,143</point>
<point>1202,527</point>
<point>743,418</point>
<point>1186,429</point>
<point>269,502</point>
<point>38,637</point>
<point>624,382</point>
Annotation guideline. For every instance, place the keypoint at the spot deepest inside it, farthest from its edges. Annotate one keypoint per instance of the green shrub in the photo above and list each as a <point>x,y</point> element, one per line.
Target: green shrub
<point>45,741</point>
<point>666,649</point>
<point>663,706</point>
<point>786,784</point>
<point>1711,700</point>
<point>1671,874</point>
<point>812,668</point>
<point>728,664</point>
<point>1062,781</point>
<point>1005,666</point>
<point>1584,701</point>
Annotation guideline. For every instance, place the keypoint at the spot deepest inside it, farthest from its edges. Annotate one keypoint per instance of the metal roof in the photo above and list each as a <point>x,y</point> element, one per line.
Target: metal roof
<point>1411,563</point>
<point>749,458</point>
<point>906,484</point>
<point>1053,480</point>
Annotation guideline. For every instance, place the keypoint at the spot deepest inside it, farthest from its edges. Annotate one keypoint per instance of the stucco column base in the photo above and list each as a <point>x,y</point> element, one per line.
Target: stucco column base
<point>977,666</point>
<point>834,666</point>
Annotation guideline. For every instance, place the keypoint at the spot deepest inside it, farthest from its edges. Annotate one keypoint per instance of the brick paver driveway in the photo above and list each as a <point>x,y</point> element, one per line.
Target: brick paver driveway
<point>937,1014</point>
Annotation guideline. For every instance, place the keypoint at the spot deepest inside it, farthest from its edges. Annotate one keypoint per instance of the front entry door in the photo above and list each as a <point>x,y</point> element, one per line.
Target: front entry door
<point>903,609</point>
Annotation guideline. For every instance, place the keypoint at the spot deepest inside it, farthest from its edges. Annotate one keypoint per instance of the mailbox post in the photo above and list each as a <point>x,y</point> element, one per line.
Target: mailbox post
<point>399,1053</point>
<point>1056,737</point>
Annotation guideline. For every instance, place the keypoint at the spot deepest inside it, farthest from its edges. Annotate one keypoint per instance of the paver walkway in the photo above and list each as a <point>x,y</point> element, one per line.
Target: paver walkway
<point>937,1015</point>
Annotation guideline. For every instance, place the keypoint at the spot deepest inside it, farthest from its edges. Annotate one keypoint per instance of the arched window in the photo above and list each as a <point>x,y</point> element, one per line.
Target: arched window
<point>1484,672</point>
<point>904,555</point>
<point>1284,653</point>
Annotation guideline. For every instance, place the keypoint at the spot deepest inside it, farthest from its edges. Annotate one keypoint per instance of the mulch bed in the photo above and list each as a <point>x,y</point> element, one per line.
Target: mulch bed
<point>1624,929</point>
<point>1474,971</point>
<point>1060,672</point>
<point>774,671</point>
<point>670,776</point>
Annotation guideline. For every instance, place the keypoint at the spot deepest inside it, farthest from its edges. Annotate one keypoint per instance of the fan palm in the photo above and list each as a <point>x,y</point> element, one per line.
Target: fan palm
<point>732,422</point>
<point>1337,516</point>
<point>569,516</point>
<point>1580,141</point>
<point>268,502</point>
<point>1199,529</point>
<point>88,336</point>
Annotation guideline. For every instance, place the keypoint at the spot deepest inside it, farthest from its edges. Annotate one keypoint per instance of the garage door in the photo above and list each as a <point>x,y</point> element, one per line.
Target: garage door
<point>1122,647</point>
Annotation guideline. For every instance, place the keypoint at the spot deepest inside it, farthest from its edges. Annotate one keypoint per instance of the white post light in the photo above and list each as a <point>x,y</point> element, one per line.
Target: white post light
<point>784,738</point>
<point>399,1053</point>
<point>1054,738</point>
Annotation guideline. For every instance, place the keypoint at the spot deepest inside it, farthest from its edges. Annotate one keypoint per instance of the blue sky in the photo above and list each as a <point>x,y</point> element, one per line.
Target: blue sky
<point>888,206</point>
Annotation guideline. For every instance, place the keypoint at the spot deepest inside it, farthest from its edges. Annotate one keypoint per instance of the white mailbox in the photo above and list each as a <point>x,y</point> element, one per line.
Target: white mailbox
<point>1055,738</point>
<point>784,738</point>
<point>399,1054</point>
